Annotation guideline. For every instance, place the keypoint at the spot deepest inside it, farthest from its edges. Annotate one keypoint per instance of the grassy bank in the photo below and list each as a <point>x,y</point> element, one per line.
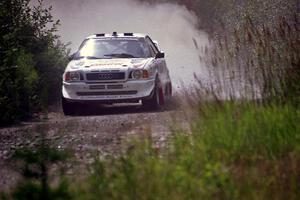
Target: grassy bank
<point>233,152</point>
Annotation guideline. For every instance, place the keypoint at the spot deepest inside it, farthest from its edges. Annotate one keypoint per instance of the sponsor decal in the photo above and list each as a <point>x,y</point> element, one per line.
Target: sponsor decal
<point>110,63</point>
<point>119,38</point>
<point>105,64</point>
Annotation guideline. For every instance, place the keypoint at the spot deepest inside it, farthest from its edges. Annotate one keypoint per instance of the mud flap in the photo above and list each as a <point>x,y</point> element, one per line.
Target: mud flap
<point>161,97</point>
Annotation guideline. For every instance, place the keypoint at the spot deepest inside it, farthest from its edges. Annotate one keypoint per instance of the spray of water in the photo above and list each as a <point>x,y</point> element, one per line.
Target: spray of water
<point>173,26</point>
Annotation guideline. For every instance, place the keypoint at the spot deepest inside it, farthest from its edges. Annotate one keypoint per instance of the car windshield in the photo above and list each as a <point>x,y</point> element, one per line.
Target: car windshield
<point>113,48</point>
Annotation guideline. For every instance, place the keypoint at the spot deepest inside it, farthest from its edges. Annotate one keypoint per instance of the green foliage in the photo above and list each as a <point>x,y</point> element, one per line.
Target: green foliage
<point>249,132</point>
<point>143,174</point>
<point>235,151</point>
<point>33,191</point>
<point>32,60</point>
<point>35,167</point>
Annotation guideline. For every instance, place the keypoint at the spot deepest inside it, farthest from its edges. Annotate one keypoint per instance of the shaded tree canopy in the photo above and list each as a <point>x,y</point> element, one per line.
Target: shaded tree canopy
<point>32,59</point>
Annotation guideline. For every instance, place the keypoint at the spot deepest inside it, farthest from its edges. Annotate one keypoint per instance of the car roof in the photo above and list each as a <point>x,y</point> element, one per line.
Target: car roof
<point>115,34</point>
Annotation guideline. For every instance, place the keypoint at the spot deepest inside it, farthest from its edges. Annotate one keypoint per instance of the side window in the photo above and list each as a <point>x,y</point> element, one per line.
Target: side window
<point>156,50</point>
<point>146,48</point>
<point>153,50</point>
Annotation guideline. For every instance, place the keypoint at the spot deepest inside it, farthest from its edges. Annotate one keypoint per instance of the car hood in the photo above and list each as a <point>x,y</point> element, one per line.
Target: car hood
<point>108,64</point>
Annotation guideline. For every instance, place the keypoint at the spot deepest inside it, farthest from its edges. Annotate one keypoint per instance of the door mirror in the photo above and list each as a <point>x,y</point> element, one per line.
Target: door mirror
<point>72,56</point>
<point>160,55</point>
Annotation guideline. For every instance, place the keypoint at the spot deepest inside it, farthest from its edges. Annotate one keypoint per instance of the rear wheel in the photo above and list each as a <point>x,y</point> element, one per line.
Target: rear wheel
<point>69,108</point>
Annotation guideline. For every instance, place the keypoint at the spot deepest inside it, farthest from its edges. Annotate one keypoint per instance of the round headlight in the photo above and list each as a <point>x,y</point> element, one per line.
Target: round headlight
<point>74,76</point>
<point>137,74</point>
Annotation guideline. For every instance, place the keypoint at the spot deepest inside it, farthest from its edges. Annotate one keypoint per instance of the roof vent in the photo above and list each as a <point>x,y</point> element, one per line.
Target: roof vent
<point>114,33</point>
<point>100,34</point>
<point>128,34</point>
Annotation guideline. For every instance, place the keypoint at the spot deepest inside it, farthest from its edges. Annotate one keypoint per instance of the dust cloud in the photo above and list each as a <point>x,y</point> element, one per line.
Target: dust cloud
<point>173,26</point>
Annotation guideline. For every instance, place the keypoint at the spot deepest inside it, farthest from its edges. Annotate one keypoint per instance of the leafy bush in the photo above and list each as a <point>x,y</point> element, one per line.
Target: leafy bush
<point>36,167</point>
<point>32,60</point>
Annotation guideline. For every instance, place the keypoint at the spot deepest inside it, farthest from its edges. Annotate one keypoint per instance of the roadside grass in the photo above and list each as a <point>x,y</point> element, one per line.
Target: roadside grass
<point>234,151</point>
<point>249,131</point>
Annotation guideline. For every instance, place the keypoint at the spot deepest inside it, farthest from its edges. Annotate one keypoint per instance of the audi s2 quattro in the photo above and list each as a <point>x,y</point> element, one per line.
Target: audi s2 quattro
<point>116,68</point>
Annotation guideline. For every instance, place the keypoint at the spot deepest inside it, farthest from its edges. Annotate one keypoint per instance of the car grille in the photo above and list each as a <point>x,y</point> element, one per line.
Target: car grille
<point>105,76</point>
<point>102,87</point>
<point>114,86</point>
<point>97,87</point>
<point>107,93</point>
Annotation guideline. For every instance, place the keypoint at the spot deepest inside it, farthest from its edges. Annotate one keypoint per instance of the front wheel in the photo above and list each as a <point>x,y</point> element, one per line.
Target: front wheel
<point>157,99</point>
<point>68,108</point>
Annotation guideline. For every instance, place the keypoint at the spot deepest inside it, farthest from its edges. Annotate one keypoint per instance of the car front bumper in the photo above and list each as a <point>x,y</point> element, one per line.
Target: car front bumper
<point>129,91</point>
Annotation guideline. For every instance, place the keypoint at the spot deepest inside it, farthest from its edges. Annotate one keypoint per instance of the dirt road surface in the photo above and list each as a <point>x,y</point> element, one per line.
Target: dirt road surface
<point>97,131</point>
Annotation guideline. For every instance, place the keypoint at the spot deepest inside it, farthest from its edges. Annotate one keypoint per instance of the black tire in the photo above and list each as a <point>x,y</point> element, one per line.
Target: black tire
<point>154,102</point>
<point>68,107</point>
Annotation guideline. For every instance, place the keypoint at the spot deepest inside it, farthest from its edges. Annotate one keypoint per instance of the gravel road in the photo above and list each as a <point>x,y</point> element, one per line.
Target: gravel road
<point>101,130</point>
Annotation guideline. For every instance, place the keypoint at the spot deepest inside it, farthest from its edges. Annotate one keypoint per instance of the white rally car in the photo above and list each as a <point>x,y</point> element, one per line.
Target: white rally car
<point>116,68</point>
